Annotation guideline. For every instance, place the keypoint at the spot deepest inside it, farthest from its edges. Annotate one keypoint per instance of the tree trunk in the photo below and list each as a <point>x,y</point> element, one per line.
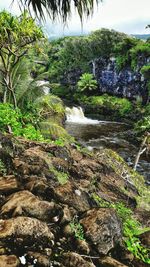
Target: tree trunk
<point>14,98</point>
<point>142,149</point>
<point>5,96</point>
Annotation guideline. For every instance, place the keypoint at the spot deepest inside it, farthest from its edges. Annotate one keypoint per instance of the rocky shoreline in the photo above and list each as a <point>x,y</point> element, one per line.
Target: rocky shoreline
<point>48,216</point>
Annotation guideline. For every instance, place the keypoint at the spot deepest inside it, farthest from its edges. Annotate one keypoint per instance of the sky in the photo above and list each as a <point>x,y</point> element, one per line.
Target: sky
<point>129,16</point>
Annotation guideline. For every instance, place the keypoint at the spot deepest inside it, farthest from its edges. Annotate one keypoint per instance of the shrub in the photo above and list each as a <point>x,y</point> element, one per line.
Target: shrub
<point>87,83</point>
<point>12,119</point>
<point>143,125</point>
<point>77,229</point>
<point>49,105</point>
<point>120,105</point>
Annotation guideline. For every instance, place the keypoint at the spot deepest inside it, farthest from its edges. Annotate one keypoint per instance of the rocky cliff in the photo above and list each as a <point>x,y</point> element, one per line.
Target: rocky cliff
<point>126,82</point>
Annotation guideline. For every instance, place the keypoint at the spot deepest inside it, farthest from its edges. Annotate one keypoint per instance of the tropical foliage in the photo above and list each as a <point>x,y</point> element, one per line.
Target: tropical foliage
<point>17,34</point>
<point>87,83</point>
<point>61,8</point>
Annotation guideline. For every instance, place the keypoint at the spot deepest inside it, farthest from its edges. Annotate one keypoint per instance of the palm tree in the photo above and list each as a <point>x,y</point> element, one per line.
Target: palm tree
<point>59,8</point>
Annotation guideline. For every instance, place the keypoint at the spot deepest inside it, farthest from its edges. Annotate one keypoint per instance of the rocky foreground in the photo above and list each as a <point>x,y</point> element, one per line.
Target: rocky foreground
<point>48,215</point>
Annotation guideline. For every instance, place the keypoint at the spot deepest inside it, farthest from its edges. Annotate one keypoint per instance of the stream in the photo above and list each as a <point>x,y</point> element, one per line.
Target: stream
<point>95,134</point>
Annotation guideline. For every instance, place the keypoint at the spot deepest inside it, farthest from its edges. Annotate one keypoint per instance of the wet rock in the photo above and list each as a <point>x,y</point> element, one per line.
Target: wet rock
<point>67,195</point>
<point>72,259</point>
<point>110,262</point>
<point>26,231</point>
<point>8,184</point>
<point>9,261</point>
<point>102,228</point>
<point>27,204</point>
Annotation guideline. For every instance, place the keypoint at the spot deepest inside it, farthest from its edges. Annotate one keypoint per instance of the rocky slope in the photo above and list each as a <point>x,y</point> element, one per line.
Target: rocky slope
<point>48,215</point>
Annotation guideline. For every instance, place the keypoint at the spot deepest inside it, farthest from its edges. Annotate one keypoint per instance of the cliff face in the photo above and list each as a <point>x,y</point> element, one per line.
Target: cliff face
<point>48,214</point>
<point>125,83</point>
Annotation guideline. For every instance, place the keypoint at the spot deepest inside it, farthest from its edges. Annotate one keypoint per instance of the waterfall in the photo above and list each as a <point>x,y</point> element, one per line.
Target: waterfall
<point>44,85</point>
<point>76,115</point>
<point>94,68</point>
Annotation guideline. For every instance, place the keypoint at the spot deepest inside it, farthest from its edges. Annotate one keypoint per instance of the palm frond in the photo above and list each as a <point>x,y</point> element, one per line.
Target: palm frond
<point>59,8</point>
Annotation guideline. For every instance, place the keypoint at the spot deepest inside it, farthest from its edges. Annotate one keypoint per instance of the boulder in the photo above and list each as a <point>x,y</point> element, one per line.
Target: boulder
<point>110,262</point>
<point>102,228</point>
<point>27,204</point>
<point>72,259</point>
<point>8,184</point>
<point>70,195</point>
<point>25,231</point>
<point>145,239</point>
<point>38,258</point>
<point>9,261</point>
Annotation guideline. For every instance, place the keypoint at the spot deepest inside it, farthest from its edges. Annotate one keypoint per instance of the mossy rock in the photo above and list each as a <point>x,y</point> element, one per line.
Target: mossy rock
<point>113,160</point>
<point>49,106</point>
<point>54,131</point>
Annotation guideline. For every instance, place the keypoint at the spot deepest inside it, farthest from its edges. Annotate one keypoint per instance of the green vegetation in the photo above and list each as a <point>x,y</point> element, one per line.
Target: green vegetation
<point>143,125</point>
<point>131,228</point>
<point>16,36</point>
<point>121,106</point>
<point>86,83</point>
<point>77,229</point>
<point>73,54</point>
<point>59,9</point>
<point>62,177</point>
<point>11,120</point>
<point>26,58</point>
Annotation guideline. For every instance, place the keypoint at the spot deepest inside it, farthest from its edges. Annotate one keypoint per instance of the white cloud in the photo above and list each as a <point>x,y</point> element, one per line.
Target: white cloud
<point>130,16</point>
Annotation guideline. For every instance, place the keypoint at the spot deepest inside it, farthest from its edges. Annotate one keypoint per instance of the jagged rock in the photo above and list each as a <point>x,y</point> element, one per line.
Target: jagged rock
<point>68,214</point>
<point>82,246</point>
<point>38,185</point>
<point>8,184</point>
<point>33,161</point>
<point>24,230</point>
<point>72,259</point>
<point>9,261</point>
<point>102,228</point>
<point>69,195</point>
<point>38,258</point>
<point>100,174</point>
<point>67,231</point>
<point>110,262</point>
<point>27,204</point>
<point>143,216</point>
<point>145,239</point>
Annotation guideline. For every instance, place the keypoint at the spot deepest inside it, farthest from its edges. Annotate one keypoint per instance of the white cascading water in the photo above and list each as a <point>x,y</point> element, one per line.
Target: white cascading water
<point>76,115</point>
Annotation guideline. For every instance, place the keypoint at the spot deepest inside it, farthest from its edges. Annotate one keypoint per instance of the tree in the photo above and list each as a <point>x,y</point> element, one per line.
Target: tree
<point>17,34</point>
<point>62,8</point>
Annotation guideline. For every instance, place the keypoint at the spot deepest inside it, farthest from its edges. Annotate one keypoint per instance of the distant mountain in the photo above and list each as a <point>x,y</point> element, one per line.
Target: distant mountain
<point>79,33</point>
<point>70,34</point>
<point>141,36</point>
